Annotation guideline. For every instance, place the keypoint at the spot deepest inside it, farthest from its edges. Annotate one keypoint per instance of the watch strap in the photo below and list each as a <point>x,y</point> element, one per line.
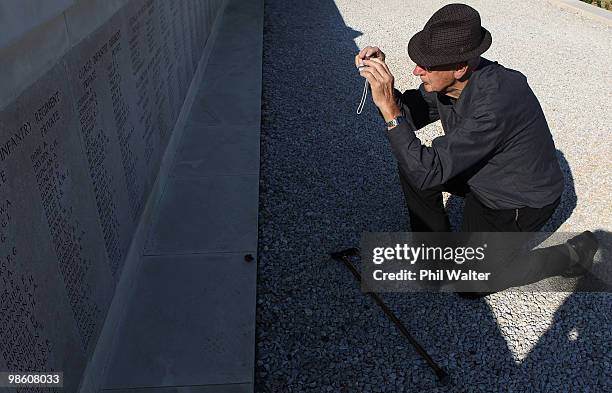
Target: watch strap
<point>395,122</point>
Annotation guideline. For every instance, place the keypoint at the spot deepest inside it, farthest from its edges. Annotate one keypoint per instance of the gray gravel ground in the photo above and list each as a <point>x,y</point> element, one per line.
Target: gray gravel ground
<point>327,175</point>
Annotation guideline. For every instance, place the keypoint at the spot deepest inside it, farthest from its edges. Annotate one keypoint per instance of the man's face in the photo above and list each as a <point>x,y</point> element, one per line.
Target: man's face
<point>436,78</point>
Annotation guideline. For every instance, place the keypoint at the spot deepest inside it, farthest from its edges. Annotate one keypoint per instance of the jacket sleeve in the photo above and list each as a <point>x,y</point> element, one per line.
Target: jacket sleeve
<point>462,148</point>
<point>418,106</point>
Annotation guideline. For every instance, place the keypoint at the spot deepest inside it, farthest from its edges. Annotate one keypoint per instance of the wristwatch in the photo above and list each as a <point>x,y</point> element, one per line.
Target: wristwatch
<point>395,122</point>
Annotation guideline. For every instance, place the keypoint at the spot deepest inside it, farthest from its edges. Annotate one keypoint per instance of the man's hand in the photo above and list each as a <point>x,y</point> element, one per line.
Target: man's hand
<point>367,53</point>
<point>382,83</point>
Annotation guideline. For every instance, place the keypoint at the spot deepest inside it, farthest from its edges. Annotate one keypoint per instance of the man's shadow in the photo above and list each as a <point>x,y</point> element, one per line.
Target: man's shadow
<point>576,340</point>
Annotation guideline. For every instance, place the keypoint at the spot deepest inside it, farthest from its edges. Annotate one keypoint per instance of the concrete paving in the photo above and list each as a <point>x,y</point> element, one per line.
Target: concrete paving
<point>190,325</point>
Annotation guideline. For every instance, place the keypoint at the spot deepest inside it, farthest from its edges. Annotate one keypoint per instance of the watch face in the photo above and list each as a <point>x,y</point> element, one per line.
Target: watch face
<point>394,122</point>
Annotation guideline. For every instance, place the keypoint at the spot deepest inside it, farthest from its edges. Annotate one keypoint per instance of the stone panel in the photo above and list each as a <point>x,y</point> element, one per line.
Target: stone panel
<point>84,17</point>
<point>145,52</point>
<point>30,58</point>
<point>167,27</point>
<point>193,32</point>
<point>17,17</point>
<point>177,49</point>
<point>222,150</point>
<point>56,283</point>
<point>201,28</point>
<point>188,220</point>
<point>99,81</point>
<point>186,36</point>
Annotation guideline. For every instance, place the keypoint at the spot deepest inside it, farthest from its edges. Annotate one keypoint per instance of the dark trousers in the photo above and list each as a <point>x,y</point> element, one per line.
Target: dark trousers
<point>427,214</point>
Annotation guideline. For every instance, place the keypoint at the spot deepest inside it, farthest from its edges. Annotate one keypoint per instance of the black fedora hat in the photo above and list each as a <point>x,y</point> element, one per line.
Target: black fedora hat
<point>453,34</point>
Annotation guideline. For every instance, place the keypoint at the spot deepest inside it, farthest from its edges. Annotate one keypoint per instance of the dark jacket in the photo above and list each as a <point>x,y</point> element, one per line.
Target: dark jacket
<point>496,138</point>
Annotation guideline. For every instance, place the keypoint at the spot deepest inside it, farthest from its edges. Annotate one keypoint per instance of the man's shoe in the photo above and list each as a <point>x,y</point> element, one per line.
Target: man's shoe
<point>584,246</point>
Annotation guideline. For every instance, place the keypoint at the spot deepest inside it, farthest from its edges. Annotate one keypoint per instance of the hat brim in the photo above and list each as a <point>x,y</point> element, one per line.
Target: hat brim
<point>424,56</point>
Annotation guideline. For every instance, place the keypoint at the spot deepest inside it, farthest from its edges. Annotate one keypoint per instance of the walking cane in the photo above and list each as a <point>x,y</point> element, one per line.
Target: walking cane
<point>344,256</point>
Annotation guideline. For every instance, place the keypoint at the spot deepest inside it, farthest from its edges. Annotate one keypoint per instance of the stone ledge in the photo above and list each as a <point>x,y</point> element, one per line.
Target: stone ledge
<point>587,10</point>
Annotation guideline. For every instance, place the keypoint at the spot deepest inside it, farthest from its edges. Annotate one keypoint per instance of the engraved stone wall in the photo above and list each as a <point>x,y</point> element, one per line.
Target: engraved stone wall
<point>80,150</point>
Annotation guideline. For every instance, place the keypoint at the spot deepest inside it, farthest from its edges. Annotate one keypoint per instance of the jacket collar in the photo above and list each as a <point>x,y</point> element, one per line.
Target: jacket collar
<point>462,105</point>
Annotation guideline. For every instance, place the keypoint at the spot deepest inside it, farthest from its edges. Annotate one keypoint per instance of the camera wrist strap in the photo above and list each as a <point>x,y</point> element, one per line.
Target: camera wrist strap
<point>363,98</point>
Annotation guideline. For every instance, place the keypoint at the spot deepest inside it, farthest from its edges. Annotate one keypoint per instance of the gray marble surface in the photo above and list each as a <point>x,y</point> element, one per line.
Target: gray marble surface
<point>210,214</point>
<point>18,17</point>
<point>191,322</point>
<point>55,282</point>
<point>217,150</point>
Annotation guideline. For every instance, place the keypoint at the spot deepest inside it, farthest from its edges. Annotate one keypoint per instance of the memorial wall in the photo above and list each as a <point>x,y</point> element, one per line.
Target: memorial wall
<point>80,150</point>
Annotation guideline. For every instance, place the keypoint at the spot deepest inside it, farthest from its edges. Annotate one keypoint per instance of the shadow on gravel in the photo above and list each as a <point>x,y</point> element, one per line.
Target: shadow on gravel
<point>327,175</point>
<point>568,198</point>
<point>574,353</point>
